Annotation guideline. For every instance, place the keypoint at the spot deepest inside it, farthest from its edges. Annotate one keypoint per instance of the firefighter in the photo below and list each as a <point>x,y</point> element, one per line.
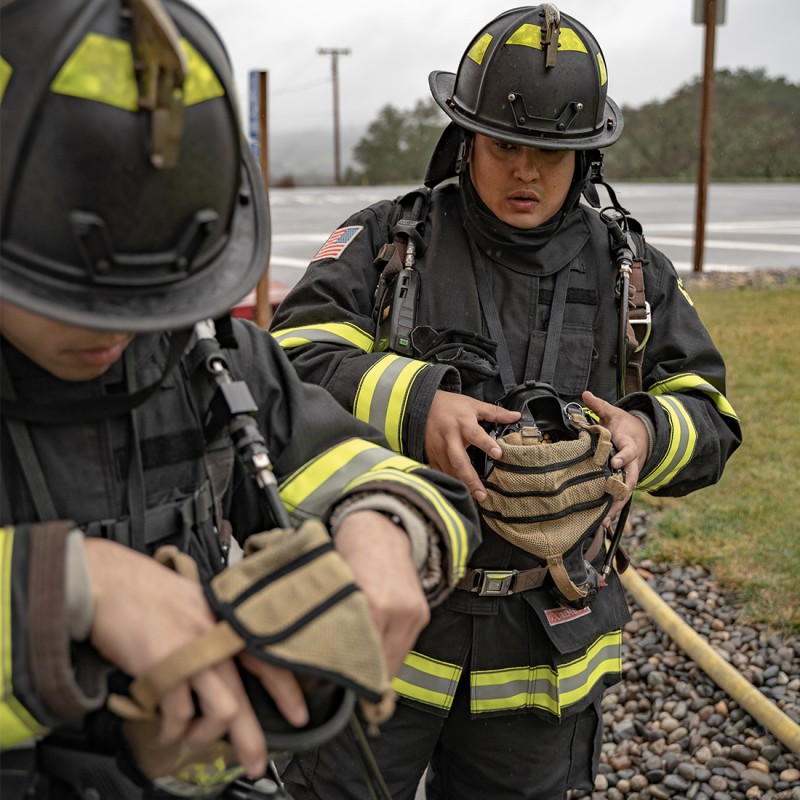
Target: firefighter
<point>132,210</point>
<point>420,315</point>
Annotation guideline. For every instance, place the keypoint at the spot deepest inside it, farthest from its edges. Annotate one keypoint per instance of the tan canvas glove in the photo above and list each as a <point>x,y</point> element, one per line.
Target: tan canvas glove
<point>291,601</point>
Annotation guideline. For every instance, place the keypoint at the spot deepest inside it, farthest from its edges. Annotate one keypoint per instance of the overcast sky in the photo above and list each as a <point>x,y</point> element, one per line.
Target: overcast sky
<point>651,47</point>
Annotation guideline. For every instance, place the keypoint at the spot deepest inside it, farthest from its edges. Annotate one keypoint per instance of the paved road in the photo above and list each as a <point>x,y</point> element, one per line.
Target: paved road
<point>749,226</point>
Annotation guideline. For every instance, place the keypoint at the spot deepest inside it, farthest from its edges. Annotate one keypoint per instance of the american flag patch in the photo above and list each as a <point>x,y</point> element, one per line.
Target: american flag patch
<point>337,242</point>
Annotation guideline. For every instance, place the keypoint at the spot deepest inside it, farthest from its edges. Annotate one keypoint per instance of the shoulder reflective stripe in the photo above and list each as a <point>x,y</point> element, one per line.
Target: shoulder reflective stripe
<point>682,441</point>
<point>531,36</point>
<point>310,490</point>
<point>16,723</point>
<point>478,50</point>
<point>382,396</point>
<point>101,69</point>
<point>427,680</point>
<point>341,333</point>
<point>454,527</point>
<point>691,382</point>
<point>544,687</point>
<point>5,76</point>
<point>201,82</point>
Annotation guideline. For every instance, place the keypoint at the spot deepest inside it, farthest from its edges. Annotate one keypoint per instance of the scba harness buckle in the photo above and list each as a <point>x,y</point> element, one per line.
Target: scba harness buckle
<point>494,582</point>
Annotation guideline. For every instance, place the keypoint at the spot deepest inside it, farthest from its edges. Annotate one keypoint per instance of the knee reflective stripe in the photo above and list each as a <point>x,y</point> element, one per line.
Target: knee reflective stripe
<point>427,680</point>
<point>382,395</point>
<point>309,491</point>
<point>456,533</point>
<point>16,723</point>
<point>101,69</point>
<point>689,382</point>
<point>544,687</point>
<point>682,441</point>
<point>344,334</point>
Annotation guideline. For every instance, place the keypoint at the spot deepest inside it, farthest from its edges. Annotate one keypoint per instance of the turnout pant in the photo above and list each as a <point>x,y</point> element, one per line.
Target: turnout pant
<point>515,757</point>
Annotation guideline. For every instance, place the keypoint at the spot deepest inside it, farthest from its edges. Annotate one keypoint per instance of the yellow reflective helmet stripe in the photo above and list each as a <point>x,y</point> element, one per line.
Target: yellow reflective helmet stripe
<point>691,382</point>
<point>601,65</point>
<point>545,687</point>
<point>529,35</point>
<point>682,441</point>
<point>16,723</point>
<point>454,527</point>
<point>101,69</point>
<point>382,395</point>
<point>478,50</point>
<point>427,680</point>
<point>341,333</point>
<point>308,492</point>
<point>5,76</point>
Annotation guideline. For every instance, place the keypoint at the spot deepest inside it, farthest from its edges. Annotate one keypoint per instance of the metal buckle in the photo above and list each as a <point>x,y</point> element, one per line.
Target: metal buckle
<point>494,582</point>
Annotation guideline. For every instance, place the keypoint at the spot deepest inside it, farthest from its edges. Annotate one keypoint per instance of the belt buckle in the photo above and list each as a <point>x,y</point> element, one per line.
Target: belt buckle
<point>494,582</point>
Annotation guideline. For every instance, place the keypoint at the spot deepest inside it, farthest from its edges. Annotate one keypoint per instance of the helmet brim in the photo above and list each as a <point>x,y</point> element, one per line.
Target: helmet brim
<point>442,85</point>
<point>209,294</point>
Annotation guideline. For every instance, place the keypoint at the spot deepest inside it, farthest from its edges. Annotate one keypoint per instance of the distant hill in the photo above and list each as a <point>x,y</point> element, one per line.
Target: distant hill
<point>306,157</point>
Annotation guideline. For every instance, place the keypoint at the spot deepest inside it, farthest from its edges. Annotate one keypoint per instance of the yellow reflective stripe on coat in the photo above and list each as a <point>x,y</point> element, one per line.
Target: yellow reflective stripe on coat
<point>382,396</point>
<point>531,36</point>
<point>454,527</point>
<point>16,723</point>
<point>691,382</point>
<point>344,334</point>
<point>553,689</point>
<point>309,492</point>
<point>101,69</point>
<point>427,680</point>
<point>682,441</point>
<point>5,76</point>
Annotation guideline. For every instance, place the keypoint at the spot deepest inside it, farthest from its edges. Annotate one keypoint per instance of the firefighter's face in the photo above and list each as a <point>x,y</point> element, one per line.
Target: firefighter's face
<point>66,351</point>
<point>522,186</point>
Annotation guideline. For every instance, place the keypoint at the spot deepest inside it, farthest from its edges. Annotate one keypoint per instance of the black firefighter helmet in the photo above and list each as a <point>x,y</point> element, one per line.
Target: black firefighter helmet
<point>129,199</point>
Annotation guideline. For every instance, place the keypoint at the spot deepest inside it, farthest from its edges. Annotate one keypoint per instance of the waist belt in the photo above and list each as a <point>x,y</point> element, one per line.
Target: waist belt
<point>502,582</point>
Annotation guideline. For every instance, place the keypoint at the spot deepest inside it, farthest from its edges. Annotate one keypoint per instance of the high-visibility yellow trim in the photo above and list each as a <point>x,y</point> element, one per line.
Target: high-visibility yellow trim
<point>454,527</point>
<point>382,395</point>
<point>478,50</point>
<point>312,487</point>
<point>691,382</point>
<point>101,69</point>
<point>682,441</point>
<point>601,65</point>
<point>542,686</point>
<point>529,35</point>
<point>427,680</point>
<point>342,333</point>
<point>16,723</point>
<point>683,291</point>
<point>201,81</point>
<point>5,76</point>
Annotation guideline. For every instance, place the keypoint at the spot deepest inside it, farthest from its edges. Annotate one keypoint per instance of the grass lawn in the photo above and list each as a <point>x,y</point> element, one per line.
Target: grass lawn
<point>747,527</point>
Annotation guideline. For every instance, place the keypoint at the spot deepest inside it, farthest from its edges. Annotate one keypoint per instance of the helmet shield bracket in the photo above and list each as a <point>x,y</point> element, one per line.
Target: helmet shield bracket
<point>161,66</point>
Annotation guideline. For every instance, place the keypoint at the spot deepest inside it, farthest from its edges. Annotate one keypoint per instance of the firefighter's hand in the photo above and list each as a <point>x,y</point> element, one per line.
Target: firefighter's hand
<point>379,553</point>
<point>454,424</point>
<point>631,439</point>
<point>145,611</point>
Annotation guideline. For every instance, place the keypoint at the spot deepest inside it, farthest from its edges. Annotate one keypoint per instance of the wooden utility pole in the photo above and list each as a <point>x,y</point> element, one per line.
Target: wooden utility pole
<point>262,313</point>
<point>710,13</point>
<point>334,53</point>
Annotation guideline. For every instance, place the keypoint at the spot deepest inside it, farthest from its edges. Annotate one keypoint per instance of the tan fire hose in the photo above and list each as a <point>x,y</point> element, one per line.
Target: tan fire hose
<point>719,670</point>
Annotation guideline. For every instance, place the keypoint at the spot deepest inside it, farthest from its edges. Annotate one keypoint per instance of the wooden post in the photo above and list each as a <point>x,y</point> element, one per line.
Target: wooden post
<point>704,162</point>
<point>262,314</point>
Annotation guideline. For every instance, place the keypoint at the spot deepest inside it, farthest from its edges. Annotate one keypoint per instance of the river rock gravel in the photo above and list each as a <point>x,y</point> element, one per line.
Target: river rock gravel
<point>670,732</point>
